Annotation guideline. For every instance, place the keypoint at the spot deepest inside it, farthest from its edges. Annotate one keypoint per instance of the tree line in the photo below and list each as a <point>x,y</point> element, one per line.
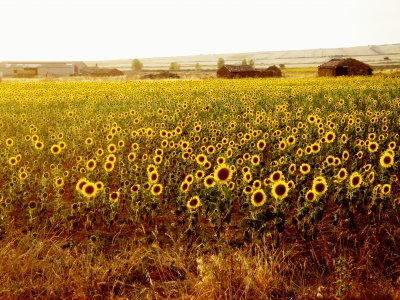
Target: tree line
<point>137,65</point>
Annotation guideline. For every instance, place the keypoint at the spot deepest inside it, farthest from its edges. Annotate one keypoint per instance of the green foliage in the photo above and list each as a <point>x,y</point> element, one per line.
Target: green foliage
<point>244,61</point>
<point>174,66</point>
<point>197,67</point>
<point>220,63</point>
<point>251,63</point>
<point>137,65</point>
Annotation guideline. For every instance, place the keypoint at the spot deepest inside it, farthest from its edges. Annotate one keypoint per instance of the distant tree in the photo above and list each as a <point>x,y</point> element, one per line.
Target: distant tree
<point>251,62</point>
<point>386,58</point>
<point>174,66</point>
<point>197,67</point>
<point>244,61</point>
<point>137,65</point>
<point>282,66</point>
<point>220,63</point>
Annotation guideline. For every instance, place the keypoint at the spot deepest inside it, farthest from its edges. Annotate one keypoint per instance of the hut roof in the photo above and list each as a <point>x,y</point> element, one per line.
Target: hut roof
<point>239,68</point>
<point>273,68</point>
<point>96,71</point>
<point>341,62</point>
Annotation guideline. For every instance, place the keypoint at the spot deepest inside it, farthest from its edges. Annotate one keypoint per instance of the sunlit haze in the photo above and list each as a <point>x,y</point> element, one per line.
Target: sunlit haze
<point>123,29</point>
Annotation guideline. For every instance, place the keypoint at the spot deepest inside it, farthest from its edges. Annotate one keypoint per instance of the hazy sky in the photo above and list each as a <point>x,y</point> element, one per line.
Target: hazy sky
<point>111,29</point>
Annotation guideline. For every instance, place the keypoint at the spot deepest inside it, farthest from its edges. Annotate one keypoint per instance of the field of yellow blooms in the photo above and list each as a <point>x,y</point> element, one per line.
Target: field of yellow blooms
<point>211,165</point>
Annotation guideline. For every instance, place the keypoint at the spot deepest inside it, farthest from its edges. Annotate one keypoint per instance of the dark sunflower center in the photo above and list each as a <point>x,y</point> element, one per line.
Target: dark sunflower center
<point>310,196</point>
<point>387,160</point>
<point>89,189</point>
<point>157,189</point>
<point>258,197</point>
<point>280,190</point>
<point>320,187</point>
<point>356,180</point>
<point>223,174</point>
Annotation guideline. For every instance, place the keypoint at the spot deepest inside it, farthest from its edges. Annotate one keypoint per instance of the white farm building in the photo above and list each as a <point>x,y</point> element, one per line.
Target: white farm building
<point>40,69</point>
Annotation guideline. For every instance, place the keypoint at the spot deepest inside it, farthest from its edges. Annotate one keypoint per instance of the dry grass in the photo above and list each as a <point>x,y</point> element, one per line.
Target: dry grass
<point>44,265</point>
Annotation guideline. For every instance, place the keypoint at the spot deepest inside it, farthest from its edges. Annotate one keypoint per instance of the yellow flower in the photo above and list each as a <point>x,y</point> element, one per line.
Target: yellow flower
<point>156,189</point>
<point>193,203</point>
<point>222,174</point>
<point>319,185</point>
<point>355,180</point>
<point>280,190</point>
<point>258,197</point>
<point>386,160</point>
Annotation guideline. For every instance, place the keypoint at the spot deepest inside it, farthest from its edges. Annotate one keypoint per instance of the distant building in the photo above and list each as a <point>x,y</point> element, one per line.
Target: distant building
<point>244,71</point>
<point>100,72</point>
<point>40,69</point>
<point>344,67</point>
<point>273,71</point>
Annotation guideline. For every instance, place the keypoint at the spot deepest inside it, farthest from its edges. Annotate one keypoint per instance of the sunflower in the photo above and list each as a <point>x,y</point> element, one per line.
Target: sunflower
<point>279,190</point>
<point>153,177</point>
<point>330,160</point>
<point>305,169</point>
<point>292,168</point>
<point>330,137</point>
<point>371,176</point>
<point>135,188</point>
<point>132,156</point>
<point>99,185</point>
<point>22,175</point>
<point>220,160</point>
<point>108,166</point>
<point>311,196</point>
<point>316,147</point>
<point>308,150</point>
<point>386,189</point>
<point>89,141</point>
<point>223,173</point>
<point>199,174</point>
<point>255,160</point>
<point>12,161</point>
<point>345,155</point>
<point>282,145</point>
<point>257,184</point>
<point>373,147</point>
<point>111,148</point>
<point>91,165</point>
<point>355,180</point>
<point>392,145</point>
<point>276,176</point>
<point>156,189</point>
<point>342,174</point>
<point>59,182</point>
<point>89,190</point>
<point>100,152</point>
<point>193,203</point>
<point>247,177</point>
<point>291,140</point>
<point>258,198</point>
<point>113,197</point>
<point>261,144</point>
<point>184,188</point>
<point>80,184</point>
<point>386,160</point>
<point>157,159</point>
<point>209,181</point>
<point>344,139</point>
<point>319,186</point>
<point>9,142</point>
<point>39,145</point>
<point>55,149</point>
<point>201,159</point>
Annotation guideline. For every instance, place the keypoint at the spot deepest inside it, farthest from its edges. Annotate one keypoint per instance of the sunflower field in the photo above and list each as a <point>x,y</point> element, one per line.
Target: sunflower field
<point>213,164</point>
